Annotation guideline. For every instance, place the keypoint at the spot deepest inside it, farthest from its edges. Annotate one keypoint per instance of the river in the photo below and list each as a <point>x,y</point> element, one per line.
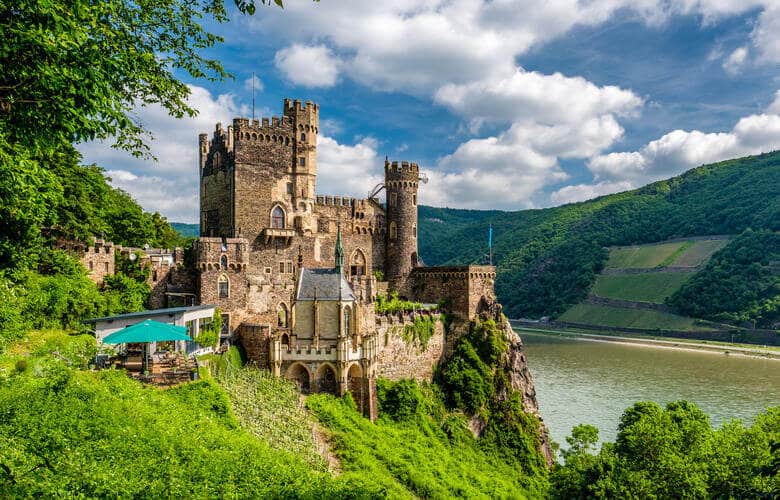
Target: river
<point>579,381</point>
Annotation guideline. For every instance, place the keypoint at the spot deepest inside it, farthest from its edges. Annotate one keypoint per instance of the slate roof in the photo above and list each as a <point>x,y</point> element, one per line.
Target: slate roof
<point>325,284</point>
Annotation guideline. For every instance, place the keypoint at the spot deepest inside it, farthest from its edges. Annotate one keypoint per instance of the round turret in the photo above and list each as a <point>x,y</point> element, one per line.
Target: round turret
<point>401,181</point>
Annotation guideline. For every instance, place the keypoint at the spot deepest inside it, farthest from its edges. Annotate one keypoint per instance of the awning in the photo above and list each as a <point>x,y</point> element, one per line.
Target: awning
<point>147,331</point>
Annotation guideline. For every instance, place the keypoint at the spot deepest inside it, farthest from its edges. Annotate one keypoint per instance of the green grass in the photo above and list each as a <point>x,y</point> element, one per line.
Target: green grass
<point>39,345</point>
<point>642,287</point>
<point>699,253</point>
<point>626,318</point>
<point>418,458</point>
<point>271,410</point>
<point>642,256</point>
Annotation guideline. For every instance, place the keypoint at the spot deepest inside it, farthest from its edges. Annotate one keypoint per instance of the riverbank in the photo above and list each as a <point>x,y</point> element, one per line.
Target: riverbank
<point>724,348</point>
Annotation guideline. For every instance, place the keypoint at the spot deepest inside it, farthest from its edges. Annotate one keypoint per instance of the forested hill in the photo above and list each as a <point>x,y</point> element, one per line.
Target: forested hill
<point>548,258</point>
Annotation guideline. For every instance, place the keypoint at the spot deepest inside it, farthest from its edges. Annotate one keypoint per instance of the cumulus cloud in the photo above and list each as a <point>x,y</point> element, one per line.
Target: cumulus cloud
<point>532,95</point>
<point>680,150</point>
<point>502,171</point>
<point>582,192</point>
<point>347,170</point>
<point>308,66</point>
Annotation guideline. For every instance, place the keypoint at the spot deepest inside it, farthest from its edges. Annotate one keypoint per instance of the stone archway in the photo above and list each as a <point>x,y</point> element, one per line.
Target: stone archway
<point>355,384</point>
<point>325,379</point>
<point>300,375</point>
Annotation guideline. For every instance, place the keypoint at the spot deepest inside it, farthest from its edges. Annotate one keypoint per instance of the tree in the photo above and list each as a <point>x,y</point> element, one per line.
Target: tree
<point>73,71</point>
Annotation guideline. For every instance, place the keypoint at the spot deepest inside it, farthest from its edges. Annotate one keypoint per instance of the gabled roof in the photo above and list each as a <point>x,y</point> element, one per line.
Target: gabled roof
<point>323,284</point>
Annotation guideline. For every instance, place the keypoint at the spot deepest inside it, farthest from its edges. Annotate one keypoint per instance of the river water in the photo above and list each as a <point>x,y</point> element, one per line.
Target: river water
<point>579,381</point>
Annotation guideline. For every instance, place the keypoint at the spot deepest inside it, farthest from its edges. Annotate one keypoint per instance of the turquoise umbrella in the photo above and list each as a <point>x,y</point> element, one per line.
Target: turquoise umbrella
<point>147,331</point>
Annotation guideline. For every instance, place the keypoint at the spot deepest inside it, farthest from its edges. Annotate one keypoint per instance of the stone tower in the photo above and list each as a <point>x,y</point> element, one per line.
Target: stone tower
<point>401,179</point>
<point>305,121</point>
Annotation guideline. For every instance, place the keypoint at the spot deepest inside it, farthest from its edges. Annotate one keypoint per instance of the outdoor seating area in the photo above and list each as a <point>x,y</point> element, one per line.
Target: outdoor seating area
<point>165,368</point>
<point>148,351</point>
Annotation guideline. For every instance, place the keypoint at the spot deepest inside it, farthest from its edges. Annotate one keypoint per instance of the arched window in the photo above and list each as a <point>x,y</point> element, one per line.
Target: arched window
<point>277,217</point>
<point>347,321</point>
<point>303,136</point>
<point>224,287</point>
<point>282,316</point>
<point>357,264</point>
<point>393,231</point>
<point>223,262</point>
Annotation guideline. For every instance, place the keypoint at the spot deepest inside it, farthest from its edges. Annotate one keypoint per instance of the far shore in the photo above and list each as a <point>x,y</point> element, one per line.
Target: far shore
<point>723,348</point>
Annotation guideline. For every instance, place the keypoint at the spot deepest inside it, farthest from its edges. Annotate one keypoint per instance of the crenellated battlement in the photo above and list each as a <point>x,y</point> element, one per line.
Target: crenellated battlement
<point>294,106</point>
<point>335,201</point>
<point>401,168</point>
<point>277,130</point>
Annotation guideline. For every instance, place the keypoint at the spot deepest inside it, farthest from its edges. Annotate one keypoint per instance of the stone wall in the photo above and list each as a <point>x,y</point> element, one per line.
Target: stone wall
<point>397,359</point>
<point>465,289</point>
<point>98,258</point>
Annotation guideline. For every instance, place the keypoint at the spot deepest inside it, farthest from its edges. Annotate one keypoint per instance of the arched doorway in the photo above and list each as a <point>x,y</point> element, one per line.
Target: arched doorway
<point>300,375</point>
<point>326,379</point>
<point>355,384</point>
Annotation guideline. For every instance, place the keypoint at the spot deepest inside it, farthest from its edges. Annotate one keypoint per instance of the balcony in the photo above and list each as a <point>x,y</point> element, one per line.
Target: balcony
<point>271,233</point>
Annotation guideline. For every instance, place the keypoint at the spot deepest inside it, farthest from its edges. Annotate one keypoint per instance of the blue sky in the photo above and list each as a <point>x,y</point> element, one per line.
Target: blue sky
<point>505,104</point>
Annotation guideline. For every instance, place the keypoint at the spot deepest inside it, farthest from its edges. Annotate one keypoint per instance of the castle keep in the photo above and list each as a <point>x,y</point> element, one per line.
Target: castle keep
<point>297,274</point>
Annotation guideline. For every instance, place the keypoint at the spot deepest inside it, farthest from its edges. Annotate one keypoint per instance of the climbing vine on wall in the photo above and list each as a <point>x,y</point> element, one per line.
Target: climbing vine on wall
<point>420,331</point>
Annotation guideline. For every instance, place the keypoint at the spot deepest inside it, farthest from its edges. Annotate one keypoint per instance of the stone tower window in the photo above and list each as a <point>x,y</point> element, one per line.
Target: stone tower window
<point>289,188</point>
<point>91,265</point>
<point>393,201</point>
<point>277,217</point>
<point>302,161</point>
<point>224,287</point>
<point>393,231</point>
<point>282,316</point>
<point>414,199</point>
<point>303,136</point>
<point>223,262</point>
<point>347,321</point>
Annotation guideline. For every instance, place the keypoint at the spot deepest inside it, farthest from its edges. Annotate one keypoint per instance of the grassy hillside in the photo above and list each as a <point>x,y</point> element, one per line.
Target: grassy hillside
<point>620,317</point>
<point>639,287</point>
<point>740,283</point>
<point>549,258</point>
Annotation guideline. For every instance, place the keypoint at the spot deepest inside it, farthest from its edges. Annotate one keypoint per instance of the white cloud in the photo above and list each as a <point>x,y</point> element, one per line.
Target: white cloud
<point>531,95</point>
<point>766,34</point>
<point>503,171</point>
<point>258,84</point>
<point>680,150</point>
<point>582,192</point>
<point>734,63</point>
<point>308,66</point>
<point>347,170</point>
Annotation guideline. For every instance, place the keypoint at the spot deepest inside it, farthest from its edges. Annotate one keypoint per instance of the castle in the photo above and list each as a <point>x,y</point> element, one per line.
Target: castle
<point>297,275</point>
